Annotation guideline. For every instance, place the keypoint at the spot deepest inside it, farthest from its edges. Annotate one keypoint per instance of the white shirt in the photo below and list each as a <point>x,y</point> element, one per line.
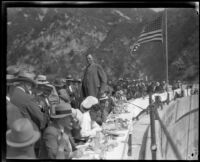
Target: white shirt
<point>89,127</point>
<point>78,115</point>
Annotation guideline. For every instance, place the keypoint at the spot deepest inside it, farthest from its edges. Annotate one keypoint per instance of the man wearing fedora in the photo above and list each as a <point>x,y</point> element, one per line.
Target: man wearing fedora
<point>42,92</point>
<point>57,141</point>
<point>94,79</point>
<point>20,139</point>
<point>22,98</point>
<point>63,95</point>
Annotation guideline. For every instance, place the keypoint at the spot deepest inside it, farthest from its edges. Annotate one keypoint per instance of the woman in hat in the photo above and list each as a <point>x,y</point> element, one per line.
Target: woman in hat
<point>89,125</point>
<point>20,140</point>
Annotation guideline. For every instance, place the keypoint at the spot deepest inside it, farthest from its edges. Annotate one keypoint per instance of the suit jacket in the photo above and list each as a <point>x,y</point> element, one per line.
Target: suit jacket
<point>13,113</point>
<point>49,147</point>
<point>94,81</point>
<point>28,108</point>
<point>20,153</point>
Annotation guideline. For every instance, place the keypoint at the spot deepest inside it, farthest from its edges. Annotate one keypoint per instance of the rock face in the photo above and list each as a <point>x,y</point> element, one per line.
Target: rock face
<point>55,40</point>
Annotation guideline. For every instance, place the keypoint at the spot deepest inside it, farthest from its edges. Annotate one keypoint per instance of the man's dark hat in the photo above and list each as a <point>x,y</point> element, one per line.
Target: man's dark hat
<point>13,70</point>
<point>69,78</point>
<point>58,83</point>
<point>25,76</point>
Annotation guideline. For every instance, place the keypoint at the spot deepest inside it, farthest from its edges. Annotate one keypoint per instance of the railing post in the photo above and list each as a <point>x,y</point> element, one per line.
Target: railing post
<point>168,98</point>
<point>130,144</point>
<point>152,124</point>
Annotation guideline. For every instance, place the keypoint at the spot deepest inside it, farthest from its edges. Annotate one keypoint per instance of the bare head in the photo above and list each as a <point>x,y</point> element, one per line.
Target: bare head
<point>90,59</point>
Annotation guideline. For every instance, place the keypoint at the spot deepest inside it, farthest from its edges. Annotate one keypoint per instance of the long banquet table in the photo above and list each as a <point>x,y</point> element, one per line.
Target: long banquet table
<point>121,150</point>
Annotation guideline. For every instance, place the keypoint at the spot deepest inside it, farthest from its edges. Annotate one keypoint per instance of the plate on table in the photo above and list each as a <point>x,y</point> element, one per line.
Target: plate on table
<point>114,133</point>
<point>82,146</point>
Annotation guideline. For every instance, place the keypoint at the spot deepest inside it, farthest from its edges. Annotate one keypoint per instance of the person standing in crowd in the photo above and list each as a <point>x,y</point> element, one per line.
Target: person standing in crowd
<point>20,140</point>
<point>22,98</point>
<point>57,140</point>
<point>89,125</point>
<point>41,95</point>
<point>62,93</point>
<point>13,112</point>
<point>94,80</point>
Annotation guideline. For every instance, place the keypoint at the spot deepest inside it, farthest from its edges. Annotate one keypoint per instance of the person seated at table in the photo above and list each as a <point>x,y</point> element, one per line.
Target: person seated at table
<point>89,125</point>
<point>76,128</point>
<point>107,105</point>
<point>57,140</point>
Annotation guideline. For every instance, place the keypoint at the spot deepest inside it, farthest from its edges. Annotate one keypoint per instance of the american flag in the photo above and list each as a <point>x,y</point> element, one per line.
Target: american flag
<point>151,32</point>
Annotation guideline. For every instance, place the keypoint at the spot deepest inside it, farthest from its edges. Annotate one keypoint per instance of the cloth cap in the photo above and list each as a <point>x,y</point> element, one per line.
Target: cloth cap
<point>89,102</point>
<point>21,133</point>
<point>62,110</point>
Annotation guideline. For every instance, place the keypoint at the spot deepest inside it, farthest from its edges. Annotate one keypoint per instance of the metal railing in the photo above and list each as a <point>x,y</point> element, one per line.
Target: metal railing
<point>155,116</point>
<point>153,113</point>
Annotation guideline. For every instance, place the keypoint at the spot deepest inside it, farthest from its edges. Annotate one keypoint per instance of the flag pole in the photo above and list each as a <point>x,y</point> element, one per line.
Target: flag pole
<point>166,49</point>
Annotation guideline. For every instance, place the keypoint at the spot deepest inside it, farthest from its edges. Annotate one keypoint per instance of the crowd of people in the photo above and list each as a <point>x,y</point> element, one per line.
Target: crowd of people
<point>47,120</point>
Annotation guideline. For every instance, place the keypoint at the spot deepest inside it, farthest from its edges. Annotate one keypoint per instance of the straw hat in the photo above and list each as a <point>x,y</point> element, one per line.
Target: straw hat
<point>88,102</point>
<point>69,78</point>
<point>41,79</point>
<point>12,72</point>
<point>103,97</point>
<point>22,133</point>
<point>11,80</point>
<point>62,110</point>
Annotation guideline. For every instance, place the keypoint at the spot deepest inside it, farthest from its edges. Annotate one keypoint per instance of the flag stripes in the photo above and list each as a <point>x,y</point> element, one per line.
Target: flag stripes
<point>151,32</point>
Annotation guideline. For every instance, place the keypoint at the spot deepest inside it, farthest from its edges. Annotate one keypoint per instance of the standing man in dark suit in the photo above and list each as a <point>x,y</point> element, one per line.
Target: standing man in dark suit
<point>94,79</point>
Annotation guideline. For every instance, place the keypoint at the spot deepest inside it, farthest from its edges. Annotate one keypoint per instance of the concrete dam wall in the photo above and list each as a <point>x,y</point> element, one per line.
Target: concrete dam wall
<point>181,118</point>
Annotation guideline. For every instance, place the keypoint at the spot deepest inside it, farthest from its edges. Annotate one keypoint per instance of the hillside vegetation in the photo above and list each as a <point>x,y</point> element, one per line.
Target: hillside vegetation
<point>54,41</point>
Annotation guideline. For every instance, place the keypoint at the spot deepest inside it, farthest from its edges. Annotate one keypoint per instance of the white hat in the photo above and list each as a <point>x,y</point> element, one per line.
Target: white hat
<point>89,102</point>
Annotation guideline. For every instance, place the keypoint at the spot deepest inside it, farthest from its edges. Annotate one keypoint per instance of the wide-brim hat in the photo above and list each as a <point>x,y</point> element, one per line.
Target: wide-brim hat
<point>88,102</point>
<point>77,80</point>
<point>62,110</point>
<point>26,77</point>
<point>41,79</point>
<point>13,70</point>
<point>21,134</point>
<point>10,79</point>
<point>58,83</point>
